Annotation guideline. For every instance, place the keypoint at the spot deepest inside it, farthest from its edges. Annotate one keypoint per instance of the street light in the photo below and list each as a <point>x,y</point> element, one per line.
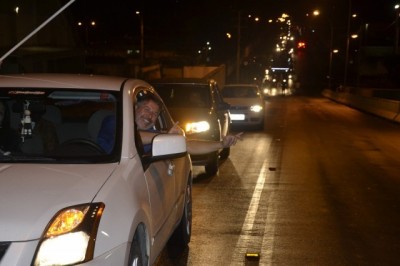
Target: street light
<point>87,25</point>
<point>141,37</point>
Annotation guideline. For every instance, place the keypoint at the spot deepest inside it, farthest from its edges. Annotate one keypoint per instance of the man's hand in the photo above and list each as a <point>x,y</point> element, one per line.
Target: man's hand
<point>231,140</point>
<point>176,129</point>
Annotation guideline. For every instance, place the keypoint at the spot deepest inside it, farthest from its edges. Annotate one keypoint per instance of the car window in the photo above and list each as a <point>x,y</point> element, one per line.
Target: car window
<point>60,125</point>
<point>240,92</point>
<point>163,122</point>
<point>184,95</point>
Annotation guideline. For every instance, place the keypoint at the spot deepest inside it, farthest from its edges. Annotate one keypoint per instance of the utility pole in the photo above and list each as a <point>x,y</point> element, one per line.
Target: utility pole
<point>396,37</point>
<point>238,48</point>
<point>346,61</point>
<point>141,37</point>
<point>330,55</point>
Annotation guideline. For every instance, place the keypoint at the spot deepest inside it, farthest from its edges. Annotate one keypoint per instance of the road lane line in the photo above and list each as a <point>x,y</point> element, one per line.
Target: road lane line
<point>242,244</point>
<point>269,232</point>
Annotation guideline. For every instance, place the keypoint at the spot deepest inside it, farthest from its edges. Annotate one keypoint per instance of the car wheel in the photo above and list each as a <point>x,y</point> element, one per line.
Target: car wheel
<point>182,234</point>
<point>225,153</point>
<point>212,165</point>
<point>138,255</point>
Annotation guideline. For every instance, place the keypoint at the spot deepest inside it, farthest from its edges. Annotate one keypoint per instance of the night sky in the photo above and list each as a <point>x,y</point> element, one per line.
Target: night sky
<point>187,23</point>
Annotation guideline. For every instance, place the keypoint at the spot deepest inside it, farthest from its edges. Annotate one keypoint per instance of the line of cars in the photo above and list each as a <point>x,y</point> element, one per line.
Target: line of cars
<point>208,112</point>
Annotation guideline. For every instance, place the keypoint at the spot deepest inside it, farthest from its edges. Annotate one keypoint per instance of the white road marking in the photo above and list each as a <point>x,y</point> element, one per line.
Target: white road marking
<point>269,232</point>
<point>245,236</point>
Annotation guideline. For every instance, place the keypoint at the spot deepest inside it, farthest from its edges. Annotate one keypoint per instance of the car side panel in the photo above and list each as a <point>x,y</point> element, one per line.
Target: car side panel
<point>161,186</point>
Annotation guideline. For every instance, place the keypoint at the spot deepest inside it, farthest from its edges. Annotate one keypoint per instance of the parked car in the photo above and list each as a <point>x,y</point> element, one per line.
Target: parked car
<point>246,104</point>
<point>73,202</point>
<point>201,111</point>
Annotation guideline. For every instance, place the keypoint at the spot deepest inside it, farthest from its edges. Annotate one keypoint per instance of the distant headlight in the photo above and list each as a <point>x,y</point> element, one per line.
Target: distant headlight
<point>256,108</point>
<point>197,127</point>
<point>70,236</point>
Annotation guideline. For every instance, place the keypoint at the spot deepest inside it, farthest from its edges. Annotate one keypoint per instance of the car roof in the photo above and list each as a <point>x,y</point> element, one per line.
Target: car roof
<point>182,81</point>
<point>51,80</point>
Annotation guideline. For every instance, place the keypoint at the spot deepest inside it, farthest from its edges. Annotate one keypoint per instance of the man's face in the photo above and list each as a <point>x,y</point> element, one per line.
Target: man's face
<point>146,114</point>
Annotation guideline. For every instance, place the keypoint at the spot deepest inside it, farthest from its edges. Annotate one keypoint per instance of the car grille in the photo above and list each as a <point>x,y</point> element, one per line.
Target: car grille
<point>3,248</point>
<point>239,107</point>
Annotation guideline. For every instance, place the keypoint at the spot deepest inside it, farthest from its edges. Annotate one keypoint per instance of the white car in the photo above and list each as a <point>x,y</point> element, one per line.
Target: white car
<point>246,104</point>
<point>66,197</point>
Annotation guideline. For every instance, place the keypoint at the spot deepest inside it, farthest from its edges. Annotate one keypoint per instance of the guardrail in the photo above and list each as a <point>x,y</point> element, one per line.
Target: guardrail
<point>386,108</point>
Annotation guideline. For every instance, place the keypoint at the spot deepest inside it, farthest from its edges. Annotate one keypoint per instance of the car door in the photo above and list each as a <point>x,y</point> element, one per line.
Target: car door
<point>160,179</point>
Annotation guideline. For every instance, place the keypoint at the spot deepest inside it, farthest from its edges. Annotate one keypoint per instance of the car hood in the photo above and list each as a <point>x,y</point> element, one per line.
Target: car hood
<point>184,115</point>
<point>243,101</point>
<point>31,194</point>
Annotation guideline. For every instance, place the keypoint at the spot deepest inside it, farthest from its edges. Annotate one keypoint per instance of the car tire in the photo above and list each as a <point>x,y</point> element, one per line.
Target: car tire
<point>138,255</point>
<point>225,153</point>
<point>182,234</point>
<point>212,165</point>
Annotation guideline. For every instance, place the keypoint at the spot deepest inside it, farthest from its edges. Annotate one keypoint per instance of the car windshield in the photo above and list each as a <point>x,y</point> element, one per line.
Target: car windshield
<point>58,125</point>
<point>240,92</point>
<point>184,95</point>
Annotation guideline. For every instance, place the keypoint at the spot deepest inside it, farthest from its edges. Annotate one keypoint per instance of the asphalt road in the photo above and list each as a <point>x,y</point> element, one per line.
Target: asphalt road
<point>319,186</point>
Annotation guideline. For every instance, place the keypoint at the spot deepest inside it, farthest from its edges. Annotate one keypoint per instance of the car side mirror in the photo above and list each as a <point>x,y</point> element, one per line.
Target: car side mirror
<point>167,147</point>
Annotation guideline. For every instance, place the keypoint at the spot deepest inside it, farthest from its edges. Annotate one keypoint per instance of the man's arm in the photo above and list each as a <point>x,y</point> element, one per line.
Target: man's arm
<point>147,136</point>
<point>197,147</point>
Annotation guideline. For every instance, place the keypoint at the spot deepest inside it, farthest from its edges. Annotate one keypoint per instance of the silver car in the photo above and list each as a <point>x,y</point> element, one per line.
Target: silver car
<point>246,104</point>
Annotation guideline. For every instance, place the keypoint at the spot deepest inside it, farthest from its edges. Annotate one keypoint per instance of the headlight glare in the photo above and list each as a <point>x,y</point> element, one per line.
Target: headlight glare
<point>63,250</point>
<point>197,127</point>
<point>256,108</point>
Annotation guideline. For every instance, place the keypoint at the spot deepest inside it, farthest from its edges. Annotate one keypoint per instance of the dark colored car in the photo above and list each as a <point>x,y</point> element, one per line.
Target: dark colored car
<point>201,111</point>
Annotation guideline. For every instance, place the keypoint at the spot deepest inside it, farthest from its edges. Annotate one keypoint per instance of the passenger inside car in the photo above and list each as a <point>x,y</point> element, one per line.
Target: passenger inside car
<point>106,136</point>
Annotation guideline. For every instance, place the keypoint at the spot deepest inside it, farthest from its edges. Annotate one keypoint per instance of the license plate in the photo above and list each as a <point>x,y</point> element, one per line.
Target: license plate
<point>237,116</point>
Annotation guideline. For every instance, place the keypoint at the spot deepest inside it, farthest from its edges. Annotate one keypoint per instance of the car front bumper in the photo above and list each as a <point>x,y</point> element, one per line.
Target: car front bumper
<point>21,253</point>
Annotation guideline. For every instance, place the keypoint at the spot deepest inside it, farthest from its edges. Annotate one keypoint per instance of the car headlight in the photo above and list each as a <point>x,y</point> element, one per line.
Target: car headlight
<point>70,236</point>
<point>197,127</point>
<point>256,108</point>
